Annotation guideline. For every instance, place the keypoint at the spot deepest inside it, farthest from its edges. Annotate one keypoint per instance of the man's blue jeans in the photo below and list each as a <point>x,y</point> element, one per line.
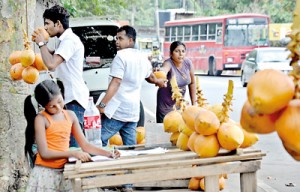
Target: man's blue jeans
<point>110,127</point>
<point>79,111</point>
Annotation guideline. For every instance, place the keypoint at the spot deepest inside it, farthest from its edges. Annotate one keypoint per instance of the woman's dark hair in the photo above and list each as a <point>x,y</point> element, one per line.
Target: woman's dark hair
<point>174,45</point>
<point>44,92</point>
<point>56,13</point>
<point>130,31</point>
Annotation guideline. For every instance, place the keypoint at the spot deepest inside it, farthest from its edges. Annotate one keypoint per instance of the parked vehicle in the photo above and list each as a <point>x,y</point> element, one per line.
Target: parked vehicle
<point>265,58</point>
<point>156,58</point>
<point>98,38</point>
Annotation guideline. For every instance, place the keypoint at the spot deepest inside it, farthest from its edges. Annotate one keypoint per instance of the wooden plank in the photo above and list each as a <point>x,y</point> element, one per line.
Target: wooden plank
<point>211,183</point>
<point>149,163</point>
<point>239,151</point>
<point>248,182</point>
<point>171,165</point>
<point>122,171</point>
<point>159,158</point>
<point>76,184</point>
<point>178,154</point>
<point>176,183</point>
<point>177,173</point>
<point>130,161</point>
<point>77,165</point>
<point>135,159</point>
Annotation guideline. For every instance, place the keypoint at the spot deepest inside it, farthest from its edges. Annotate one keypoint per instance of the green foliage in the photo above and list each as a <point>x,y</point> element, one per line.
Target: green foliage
<point>280,11</point>
<point>110,8</point>
<point>142,13</point>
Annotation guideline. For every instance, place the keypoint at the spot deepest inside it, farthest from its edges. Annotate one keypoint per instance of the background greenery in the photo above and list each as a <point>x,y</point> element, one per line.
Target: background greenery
<point>142,13</point>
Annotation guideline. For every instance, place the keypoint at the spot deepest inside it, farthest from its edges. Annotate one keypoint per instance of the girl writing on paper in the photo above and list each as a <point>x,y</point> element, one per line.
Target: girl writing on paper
<point>51,129</point>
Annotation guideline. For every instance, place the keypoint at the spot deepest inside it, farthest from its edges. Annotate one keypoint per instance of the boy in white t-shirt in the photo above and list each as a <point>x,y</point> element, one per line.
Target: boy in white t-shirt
<point>66,60</point>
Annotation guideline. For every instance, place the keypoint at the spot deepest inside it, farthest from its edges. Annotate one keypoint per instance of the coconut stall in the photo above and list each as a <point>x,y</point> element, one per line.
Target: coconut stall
<point>203,147</point>
<point>205,144</point>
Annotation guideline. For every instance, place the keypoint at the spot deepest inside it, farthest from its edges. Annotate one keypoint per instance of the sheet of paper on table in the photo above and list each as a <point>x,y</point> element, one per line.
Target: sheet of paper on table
<point>125,153</point>
<point>157,150</point>
<point>94,158</point>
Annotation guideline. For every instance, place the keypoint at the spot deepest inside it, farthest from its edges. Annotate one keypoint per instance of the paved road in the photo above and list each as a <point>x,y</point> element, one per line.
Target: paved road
<point>279,172</point>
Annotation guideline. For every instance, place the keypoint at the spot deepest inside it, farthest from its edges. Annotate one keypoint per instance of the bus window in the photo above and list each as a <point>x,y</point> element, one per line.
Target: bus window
<point>235,36</point>
<point>246,32</point>
<point>173,34</point>
<point>180,33</point>
<point>187,33</point>
<point>246,35</point>
<point>203,32</point>
<point>219,33</point>
<point>167,35</point>
<point>211,31</point>
<point>195,32</point>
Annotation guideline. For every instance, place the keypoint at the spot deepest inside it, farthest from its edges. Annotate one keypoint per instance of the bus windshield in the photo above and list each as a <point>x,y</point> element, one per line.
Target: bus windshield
<point>237,35</point>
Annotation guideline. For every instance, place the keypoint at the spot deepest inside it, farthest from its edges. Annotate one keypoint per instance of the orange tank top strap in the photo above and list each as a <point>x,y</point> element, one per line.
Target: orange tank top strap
<point>66,113</point>
<point>48,116</point>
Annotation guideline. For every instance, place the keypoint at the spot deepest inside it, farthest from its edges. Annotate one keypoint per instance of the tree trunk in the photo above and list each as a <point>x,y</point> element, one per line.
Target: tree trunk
<point>16,16</point>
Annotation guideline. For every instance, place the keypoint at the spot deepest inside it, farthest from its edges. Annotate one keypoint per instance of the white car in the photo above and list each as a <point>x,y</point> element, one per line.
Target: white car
<point>98,37</point>
<point>265,58</point>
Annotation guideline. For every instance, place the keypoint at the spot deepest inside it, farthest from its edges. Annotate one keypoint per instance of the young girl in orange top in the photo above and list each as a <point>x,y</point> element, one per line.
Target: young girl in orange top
<point>51,131</point>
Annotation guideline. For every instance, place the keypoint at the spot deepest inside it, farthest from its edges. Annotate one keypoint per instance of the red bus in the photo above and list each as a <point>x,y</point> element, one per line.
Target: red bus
<point>218,43</point>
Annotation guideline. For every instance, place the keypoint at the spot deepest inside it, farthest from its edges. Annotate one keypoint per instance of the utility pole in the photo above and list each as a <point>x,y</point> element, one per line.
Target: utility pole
<point>184,5</point>
<point>157,20</point>
<point>133,14</point>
